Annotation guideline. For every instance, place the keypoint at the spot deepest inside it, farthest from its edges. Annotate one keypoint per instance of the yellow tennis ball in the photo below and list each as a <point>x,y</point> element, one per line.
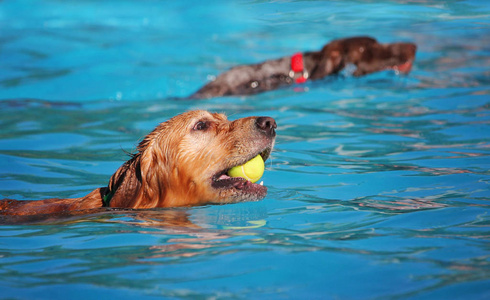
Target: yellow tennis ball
<point>252,170</point>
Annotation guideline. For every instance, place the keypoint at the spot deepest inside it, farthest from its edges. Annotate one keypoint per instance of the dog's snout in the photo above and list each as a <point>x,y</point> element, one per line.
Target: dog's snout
<point>267,125</point>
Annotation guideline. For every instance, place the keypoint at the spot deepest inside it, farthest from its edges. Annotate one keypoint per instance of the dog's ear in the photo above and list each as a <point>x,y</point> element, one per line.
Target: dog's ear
<point>331,62</point>
<point>125,184</point>
<point>153,170</point>
<point>141,181</point>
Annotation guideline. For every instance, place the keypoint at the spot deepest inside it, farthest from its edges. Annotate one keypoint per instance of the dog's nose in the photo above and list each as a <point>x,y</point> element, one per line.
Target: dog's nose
<point>267,125</point>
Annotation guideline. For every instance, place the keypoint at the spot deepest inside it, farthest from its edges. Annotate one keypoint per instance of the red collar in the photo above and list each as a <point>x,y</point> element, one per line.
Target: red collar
<point>297,66</point>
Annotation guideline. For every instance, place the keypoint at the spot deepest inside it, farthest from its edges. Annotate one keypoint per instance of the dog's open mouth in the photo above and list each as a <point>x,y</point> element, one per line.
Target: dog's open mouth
<point>222,180</point>
<point>404,67</point>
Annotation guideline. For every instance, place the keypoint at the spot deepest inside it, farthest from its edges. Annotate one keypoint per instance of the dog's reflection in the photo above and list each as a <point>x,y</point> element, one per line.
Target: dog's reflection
<point>185,232</point>
<point>198,231</point>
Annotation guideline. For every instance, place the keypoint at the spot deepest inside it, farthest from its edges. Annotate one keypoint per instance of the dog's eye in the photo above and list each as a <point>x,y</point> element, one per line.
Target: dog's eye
<point>201,125</point>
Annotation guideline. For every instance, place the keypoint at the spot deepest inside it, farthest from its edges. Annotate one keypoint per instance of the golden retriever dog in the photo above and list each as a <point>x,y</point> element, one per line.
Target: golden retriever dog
<point>183,162</point>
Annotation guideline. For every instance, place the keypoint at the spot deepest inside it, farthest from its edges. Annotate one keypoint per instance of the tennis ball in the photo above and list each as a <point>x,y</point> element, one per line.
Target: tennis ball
<point>252,170</point>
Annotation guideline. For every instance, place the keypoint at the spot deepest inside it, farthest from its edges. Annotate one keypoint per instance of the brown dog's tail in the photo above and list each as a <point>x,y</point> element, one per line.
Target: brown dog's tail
<point>11,207</point>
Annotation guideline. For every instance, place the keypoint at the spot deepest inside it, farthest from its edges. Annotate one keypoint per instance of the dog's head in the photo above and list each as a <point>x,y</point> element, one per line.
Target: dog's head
<point>403,55</point>
<point>366,54</point>
<point>378,57</point>
<point>184,161</point>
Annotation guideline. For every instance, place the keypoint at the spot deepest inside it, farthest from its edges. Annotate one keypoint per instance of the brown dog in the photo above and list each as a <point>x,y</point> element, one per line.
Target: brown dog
<point>182,162</point>
<point>364,52</point>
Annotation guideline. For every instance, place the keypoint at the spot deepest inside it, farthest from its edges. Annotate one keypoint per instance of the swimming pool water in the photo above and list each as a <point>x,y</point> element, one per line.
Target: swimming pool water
<point>378,186</point>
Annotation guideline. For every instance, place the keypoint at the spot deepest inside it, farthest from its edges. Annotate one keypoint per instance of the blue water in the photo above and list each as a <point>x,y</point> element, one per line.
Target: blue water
<point>378,186</point>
